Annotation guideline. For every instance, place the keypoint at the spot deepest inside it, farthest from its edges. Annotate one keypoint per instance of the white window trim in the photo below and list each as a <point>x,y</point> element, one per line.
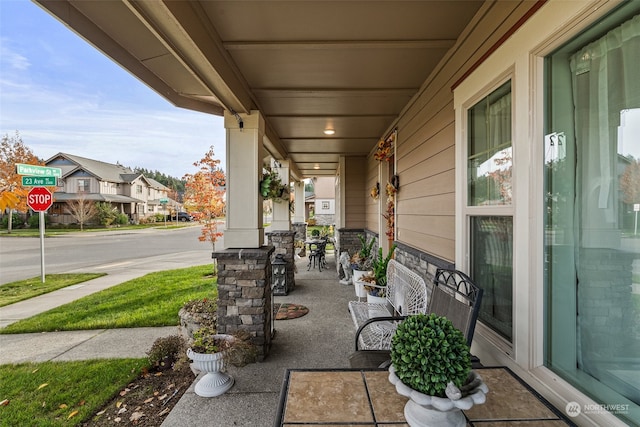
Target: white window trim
<point>464,212</point>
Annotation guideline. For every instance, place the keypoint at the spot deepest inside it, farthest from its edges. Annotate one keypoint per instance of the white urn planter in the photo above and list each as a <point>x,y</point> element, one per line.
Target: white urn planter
<point>359,285</point>
<point>215,382</point>
<point>422,410</point>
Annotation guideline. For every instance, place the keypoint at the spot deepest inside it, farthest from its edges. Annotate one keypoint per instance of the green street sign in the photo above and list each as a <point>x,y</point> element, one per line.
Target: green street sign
<point>36,181</point>
<point>164,201</point>
<point>35,170</point>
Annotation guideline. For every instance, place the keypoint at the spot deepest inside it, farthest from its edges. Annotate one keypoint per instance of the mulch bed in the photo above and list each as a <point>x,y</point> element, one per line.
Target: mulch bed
<point>146,401</point>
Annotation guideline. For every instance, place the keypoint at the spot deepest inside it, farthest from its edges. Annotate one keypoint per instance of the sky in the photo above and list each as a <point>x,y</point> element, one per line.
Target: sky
<point>63,95</point>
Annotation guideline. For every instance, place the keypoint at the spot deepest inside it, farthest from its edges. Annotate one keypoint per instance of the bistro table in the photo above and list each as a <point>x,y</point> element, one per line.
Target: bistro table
<point>362,397</point>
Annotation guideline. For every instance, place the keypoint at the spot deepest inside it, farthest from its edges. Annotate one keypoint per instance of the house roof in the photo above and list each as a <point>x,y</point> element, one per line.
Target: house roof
<point>104,171</point>
<point>95,197</point>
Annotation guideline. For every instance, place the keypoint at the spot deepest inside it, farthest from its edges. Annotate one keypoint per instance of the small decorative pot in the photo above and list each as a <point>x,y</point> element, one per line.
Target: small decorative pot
<point>216,381</point>
<point>422,410</point>
<point>359,285</point>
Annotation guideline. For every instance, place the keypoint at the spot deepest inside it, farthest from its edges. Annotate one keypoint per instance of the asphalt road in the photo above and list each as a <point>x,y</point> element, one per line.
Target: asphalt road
<point>103,251</point>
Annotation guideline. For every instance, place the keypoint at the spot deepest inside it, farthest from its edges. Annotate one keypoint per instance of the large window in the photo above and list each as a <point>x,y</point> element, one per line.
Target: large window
<point>592,199</point>
<point>83,186</point>
<point>489,154</point>
<point>489,197</point>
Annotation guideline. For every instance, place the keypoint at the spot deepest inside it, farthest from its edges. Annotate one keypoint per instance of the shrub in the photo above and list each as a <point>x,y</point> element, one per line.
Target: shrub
<point>428,352</point>
<point>166,351</point>
<point>122,219</point>
<point>106,213</point>
<point>34,221</point>
<point>16,221</point>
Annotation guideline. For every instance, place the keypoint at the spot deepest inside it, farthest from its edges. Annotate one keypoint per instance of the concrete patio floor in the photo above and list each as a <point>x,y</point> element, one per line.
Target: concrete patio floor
<point>323,338</point>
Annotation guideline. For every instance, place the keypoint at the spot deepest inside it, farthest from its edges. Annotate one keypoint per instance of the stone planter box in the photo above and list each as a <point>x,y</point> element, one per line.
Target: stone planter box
<point>190,322</point>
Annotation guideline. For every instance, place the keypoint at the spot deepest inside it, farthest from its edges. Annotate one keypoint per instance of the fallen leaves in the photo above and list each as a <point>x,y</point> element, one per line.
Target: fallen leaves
<point>43,386</point>
<point>144,402</point>
<point>136,416</point>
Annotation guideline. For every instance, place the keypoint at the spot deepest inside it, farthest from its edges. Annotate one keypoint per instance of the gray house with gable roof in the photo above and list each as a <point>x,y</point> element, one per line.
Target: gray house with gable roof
<point>129,192</point>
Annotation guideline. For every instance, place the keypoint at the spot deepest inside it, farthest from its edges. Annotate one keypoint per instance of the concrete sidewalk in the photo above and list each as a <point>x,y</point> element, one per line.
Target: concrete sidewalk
<point>321,339</point>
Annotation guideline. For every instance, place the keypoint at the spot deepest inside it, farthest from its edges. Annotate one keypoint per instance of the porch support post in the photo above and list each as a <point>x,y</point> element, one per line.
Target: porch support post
<point>245,298</point>
<point>281,213</point>
<point>245,150</point>
<point>298,194</point>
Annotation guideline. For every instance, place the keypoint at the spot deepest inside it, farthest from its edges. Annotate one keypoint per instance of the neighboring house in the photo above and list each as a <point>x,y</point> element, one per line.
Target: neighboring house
<point>129,192</point>
<point>322,203</point>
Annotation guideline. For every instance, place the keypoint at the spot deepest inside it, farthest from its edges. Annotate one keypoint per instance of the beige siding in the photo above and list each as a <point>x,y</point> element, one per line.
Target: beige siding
<point>354,198</point>
<point>324,187</point>
<point>426,138</point>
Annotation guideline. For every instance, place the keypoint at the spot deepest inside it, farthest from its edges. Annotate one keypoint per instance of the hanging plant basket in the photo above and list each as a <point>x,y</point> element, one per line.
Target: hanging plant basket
<point>271,186</point>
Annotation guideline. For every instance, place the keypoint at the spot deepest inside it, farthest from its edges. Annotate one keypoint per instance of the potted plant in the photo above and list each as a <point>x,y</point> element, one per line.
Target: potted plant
<point>208,352</point>
<point>431,365</point>
<point>271,186</point>
<point>361,264</point>
<point>376,280</point>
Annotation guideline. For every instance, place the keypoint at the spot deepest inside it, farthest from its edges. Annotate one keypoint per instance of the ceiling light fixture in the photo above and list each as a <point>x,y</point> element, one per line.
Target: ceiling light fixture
<point>329,131</point>
<point>316,166</point>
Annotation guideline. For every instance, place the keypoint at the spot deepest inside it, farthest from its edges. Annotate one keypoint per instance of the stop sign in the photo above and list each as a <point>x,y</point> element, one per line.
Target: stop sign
<point>39,199</point>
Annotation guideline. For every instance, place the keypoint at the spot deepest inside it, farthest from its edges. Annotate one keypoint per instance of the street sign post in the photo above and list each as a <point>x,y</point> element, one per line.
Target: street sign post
<point>37,170</point>
<point>163,202</point>
<point>40,199</point>
<point>37,181</point>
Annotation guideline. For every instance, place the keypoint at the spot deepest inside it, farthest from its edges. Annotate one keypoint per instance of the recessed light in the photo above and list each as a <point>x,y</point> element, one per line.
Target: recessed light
<point>329,131</point>
<point>316,166</point>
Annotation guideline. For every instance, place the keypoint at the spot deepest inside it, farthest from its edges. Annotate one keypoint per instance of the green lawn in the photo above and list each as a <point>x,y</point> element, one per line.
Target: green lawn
<point>61,393</point>
<point>69,393</point>
<point>24,289</point>
<point>151,300</point>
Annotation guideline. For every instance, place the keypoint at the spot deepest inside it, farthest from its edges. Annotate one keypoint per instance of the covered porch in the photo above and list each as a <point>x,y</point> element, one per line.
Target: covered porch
<point>435,119</point>
<point>307,380</point>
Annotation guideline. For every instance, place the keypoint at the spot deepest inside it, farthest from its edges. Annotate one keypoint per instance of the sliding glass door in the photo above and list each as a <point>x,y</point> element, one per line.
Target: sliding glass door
<point>592,201</point>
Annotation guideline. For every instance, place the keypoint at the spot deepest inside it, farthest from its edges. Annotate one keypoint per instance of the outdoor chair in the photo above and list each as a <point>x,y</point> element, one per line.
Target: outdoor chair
<point>317,254</point>
<point>454,295</point>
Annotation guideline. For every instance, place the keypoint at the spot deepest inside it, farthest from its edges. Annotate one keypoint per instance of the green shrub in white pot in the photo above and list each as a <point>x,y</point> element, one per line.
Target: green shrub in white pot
<point>431,364</point>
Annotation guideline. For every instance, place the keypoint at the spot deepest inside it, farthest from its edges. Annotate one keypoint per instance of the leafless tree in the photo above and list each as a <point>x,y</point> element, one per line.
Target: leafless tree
<point>82,210</point>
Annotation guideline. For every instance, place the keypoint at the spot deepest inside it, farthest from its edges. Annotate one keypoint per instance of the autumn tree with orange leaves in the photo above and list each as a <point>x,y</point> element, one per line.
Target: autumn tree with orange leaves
<point>204,193</point>
<point>13,196</point>
<point>630,183</point>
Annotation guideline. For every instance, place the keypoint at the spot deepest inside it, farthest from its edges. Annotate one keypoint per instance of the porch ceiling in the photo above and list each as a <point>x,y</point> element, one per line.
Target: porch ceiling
<point>306,65</point>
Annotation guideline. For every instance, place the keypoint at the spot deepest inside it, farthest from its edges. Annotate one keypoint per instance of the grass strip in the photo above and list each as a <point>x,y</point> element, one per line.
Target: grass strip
<point>61,393</point>
<point>13,292</point>
<point>150,300</point>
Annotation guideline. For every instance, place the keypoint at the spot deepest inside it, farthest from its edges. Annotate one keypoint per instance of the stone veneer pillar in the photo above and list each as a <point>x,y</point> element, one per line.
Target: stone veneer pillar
<point>245,300</point>
<point>282,241</point>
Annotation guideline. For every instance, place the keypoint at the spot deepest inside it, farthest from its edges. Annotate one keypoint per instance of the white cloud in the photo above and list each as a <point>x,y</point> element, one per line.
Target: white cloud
<point>63,113</point>
<point>12,59</point>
